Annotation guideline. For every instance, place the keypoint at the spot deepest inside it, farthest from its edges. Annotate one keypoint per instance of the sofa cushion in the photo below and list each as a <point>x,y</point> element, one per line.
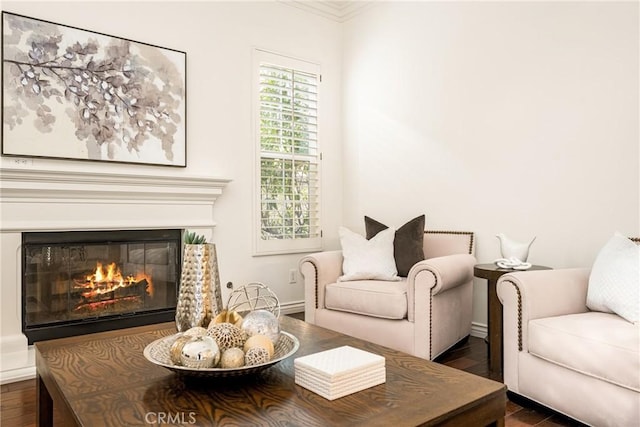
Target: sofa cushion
<point>367,259</point>
<point>601,345</point>
<point>408,248</point>
<point>614,283</point>
<point>377,298</point>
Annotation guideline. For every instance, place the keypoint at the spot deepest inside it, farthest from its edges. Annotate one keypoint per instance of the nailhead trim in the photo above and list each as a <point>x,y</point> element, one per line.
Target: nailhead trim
<point>431,317</point>
<point>467,233</point>
<point>519,314</point>
<point>315,268</point>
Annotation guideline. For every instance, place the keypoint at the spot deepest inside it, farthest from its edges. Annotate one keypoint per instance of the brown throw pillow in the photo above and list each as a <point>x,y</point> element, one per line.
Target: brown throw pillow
<point>407,245</point>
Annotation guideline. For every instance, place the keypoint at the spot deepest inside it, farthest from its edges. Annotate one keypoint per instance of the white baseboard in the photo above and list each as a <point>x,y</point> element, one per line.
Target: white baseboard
<point>16,375</point>
<point>479,330</point>
<point>18,366</point>
<point>292,307</point>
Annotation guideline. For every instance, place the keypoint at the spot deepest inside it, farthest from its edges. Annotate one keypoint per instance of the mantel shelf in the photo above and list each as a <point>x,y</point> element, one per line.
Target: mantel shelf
<point>59,200</point>
<point>22,183</point>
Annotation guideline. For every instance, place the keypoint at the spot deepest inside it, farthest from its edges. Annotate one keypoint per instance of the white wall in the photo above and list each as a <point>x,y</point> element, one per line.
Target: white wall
<point>218,38</point>
<point>514,117</point>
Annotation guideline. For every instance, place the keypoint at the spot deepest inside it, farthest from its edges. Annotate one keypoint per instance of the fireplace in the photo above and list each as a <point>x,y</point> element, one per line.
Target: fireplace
<point>78,282</point>
<point>37,199</point>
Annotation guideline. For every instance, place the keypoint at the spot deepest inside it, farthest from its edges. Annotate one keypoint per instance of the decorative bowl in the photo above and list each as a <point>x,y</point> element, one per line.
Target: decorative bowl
<point>157,353</point>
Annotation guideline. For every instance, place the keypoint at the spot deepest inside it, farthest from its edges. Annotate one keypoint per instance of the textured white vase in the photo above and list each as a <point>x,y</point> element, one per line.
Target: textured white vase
<point>510,248</point>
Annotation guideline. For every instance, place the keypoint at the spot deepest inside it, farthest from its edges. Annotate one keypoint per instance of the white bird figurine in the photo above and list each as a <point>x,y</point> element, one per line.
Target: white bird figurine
<point>509,248</point>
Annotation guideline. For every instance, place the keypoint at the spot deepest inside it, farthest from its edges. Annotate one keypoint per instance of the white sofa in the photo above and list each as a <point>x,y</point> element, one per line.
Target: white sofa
<point>581,363</point>
<point>424,314</point>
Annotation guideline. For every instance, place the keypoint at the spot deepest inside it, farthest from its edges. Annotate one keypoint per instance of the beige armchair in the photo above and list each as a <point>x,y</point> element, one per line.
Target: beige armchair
<point>423,314</point>
<point>582,363</point>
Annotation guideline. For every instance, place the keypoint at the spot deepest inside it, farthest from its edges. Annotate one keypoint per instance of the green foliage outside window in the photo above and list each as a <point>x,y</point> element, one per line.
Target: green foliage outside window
<point>288,141</point>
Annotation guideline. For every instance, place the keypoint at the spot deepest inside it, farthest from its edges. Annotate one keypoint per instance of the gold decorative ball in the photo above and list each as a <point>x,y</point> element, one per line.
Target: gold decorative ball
<point>256,356</point>
<point>259,341</point>
<point>227,316</point>
<point>196,331</point>
<point>232,358</point>
<point>226,335</point>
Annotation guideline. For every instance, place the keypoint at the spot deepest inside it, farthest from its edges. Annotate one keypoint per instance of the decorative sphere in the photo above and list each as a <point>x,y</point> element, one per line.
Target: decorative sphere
<point>175,351</point>
<point>226,335</point>
<point>256,356</point>
<point>232,358</point>
<point>200,352</point>
<point>253,296</point>
<point>196,331</point>
<point>261,322</point>
<point>259,341</point>
<point>226,316</point>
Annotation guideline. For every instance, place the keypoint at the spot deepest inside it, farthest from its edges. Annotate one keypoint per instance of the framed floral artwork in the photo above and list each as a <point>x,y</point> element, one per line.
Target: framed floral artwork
<point>69,93</point>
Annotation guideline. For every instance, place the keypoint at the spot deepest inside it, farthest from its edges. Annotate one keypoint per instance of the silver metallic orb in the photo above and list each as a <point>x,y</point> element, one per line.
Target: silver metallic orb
<point>175,351</point>
<point>254,296</point>
<point>261,322</point>
<point>200,352</point>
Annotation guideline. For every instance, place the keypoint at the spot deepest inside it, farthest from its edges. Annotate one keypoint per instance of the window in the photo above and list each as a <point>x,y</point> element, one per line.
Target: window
<point>288,158</point>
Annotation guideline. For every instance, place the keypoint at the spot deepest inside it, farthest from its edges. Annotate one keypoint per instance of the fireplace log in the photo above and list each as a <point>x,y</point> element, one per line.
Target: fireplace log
<point>87,296</point>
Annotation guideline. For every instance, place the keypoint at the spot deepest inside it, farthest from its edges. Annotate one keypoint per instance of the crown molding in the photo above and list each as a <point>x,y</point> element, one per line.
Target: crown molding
<point>339,11</point>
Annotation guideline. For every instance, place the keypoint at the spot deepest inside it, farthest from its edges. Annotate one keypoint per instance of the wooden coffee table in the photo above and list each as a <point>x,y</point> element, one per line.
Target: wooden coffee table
<point>104,379</point>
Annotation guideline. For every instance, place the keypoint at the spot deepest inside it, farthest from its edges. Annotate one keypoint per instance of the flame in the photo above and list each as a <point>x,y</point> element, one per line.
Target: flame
<point>103,281</point>
<point>112,275</point>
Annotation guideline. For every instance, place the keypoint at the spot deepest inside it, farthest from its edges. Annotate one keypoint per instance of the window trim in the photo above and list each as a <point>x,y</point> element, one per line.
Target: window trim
<point>260,246</point>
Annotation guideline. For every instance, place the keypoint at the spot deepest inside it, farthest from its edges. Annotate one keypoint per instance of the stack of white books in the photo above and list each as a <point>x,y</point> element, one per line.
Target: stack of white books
<point>340,371</point>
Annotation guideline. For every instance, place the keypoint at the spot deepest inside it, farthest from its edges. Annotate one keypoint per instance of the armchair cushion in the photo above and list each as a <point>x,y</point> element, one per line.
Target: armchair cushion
<point>377,298</point>
<point>614,282</point>
<point>408,243</point>
<point>367,259</point>
<point>601,345</point>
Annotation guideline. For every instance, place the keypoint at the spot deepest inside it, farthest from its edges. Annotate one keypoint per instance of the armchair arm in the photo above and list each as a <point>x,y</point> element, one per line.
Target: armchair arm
<point>531,295</point>
<point>449,271</point>
<point>545,293</point>
<point>318,270</point>
<point>437,275</point>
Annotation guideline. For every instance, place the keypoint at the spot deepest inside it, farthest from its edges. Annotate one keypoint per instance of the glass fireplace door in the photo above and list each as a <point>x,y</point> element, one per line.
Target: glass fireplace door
<point>110,275</point>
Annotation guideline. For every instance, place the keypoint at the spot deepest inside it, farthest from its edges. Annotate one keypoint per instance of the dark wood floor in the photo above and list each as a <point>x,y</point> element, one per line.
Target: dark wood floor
<point>472,356</point>
<point>18,400</point>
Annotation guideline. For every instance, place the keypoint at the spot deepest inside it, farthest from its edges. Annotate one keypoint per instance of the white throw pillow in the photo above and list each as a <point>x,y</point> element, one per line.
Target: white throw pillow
<point>614,282</point>
<point>368,259</point>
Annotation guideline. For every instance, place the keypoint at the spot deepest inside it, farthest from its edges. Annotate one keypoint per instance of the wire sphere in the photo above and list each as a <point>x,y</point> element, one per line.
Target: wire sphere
<point>254,296</point>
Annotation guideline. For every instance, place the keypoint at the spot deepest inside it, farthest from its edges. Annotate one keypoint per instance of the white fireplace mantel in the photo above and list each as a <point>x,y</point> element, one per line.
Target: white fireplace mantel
<point>57,200</point>
<point>47,200</point>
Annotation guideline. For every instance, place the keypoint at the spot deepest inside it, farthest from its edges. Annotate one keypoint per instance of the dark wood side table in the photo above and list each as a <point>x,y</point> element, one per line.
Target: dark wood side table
<point>492,273</point>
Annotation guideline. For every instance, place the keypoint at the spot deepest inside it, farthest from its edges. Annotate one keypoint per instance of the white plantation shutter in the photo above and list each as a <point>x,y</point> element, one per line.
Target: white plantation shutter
<point>288,194</point>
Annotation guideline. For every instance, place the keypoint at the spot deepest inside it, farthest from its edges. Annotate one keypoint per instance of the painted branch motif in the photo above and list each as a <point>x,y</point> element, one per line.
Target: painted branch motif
<point>117,95</point>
